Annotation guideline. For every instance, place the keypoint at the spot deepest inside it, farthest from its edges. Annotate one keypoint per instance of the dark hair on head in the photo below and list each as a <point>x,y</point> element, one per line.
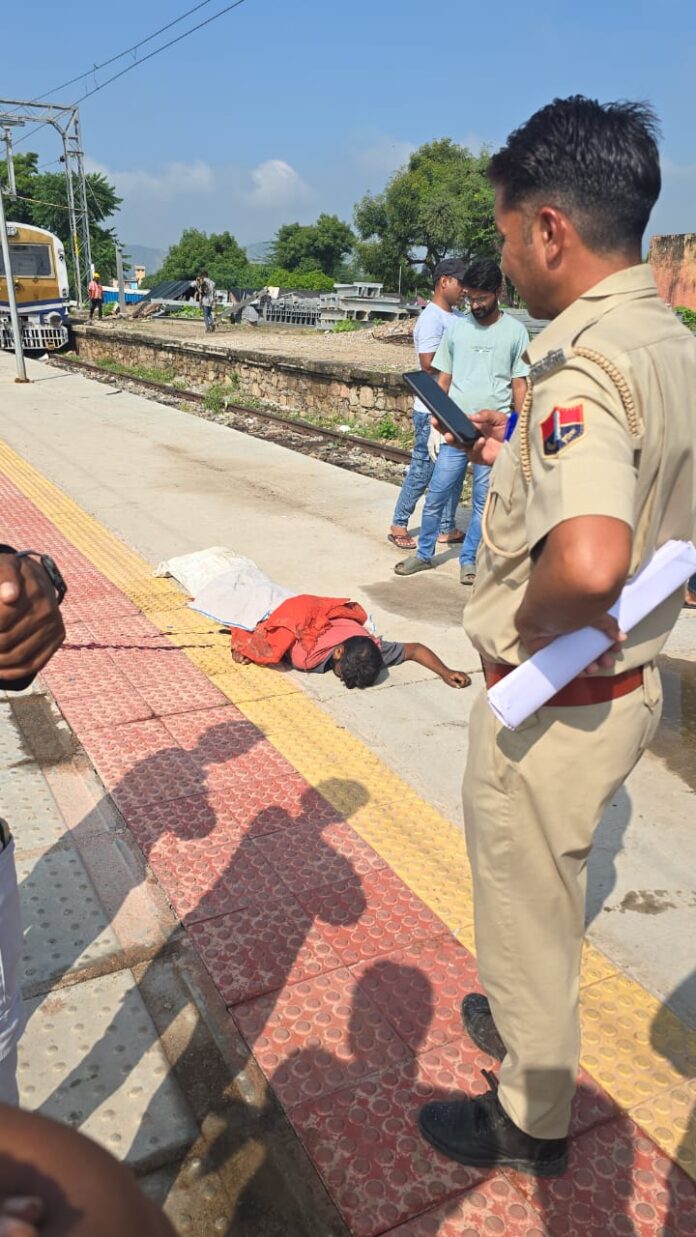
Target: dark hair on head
<point>205,274</point>
<point>484,275</point>
<point>361,662</point>
<point>598,163</point>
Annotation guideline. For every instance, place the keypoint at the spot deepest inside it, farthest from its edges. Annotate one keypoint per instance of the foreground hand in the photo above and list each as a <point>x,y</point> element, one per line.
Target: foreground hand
<point>20,1217</point>
<point>456,678</point>
<point>485,450</point>
<point>241,660</point>
<point>31,626</point>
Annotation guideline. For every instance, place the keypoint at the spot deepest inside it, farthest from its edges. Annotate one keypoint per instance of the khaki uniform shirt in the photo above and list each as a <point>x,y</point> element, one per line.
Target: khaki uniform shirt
<point>584,459</point>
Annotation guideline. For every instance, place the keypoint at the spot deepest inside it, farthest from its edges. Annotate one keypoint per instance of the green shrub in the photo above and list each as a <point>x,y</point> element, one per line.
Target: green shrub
<point>220,395</point>
<point>688,316</point>
<point>347,324</point>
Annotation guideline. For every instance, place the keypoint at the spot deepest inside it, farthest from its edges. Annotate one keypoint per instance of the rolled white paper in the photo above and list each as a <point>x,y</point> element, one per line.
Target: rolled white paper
<point>529,686</point>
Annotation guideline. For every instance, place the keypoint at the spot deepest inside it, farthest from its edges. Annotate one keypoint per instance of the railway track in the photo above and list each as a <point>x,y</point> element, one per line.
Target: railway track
<point>285,427</point>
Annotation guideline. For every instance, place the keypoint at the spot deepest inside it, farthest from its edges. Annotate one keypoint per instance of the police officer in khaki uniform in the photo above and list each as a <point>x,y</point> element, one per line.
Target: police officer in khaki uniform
<point>598,474</point>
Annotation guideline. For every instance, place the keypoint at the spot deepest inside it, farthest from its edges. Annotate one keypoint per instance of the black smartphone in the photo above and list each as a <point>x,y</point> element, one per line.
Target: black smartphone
<point>448,414</point>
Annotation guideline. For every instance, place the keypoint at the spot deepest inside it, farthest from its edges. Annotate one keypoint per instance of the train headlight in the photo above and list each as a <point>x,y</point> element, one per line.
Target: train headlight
<point>53,319</point>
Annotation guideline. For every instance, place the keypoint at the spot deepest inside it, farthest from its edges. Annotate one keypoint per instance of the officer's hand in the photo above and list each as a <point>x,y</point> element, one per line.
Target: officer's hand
<point>31,625</point>
<point>486,449</point>
<point>607,660</point>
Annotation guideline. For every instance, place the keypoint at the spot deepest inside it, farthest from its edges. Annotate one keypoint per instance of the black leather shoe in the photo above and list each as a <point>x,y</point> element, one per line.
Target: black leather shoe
<point>479,1132</point>
<point>480,1027</point>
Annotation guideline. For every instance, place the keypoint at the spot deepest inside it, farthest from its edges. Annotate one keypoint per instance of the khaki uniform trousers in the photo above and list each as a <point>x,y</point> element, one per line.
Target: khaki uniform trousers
<point>532,801</point>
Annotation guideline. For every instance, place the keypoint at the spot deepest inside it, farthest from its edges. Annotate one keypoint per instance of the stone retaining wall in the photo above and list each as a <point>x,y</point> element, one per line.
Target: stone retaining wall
<point>321,387</point>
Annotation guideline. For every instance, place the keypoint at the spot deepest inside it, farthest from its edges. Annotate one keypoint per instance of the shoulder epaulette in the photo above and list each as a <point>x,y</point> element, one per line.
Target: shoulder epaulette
<point>548,364</point>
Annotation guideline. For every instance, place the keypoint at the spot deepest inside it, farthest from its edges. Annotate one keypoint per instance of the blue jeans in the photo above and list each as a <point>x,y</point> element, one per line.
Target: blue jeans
<point>208,317</point>
<point>448,478</point>
<point>417,480</point>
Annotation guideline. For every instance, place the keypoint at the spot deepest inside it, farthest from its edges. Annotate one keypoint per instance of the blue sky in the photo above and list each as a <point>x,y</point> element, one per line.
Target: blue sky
<point>284,108</point>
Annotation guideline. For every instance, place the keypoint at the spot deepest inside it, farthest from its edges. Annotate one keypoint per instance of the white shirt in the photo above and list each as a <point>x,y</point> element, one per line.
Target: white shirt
<point>428,332</point>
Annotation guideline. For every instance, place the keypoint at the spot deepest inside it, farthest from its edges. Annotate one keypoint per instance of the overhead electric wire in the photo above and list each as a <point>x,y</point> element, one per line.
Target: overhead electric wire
<point>179,38</point>
<point>228,8</point>
<point>112,59</point>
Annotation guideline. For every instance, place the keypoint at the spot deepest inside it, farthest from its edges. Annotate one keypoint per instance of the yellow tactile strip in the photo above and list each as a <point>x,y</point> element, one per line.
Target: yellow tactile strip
<point>640,1052</point>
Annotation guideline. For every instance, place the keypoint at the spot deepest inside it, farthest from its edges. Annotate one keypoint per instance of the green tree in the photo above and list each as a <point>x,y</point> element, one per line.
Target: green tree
<point>219,254</point>
<point>440,204</point>
<point>319,246</point>
<point>42,199</point>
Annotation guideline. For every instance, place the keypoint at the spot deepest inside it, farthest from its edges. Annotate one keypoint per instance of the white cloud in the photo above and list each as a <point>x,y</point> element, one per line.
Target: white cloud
<point>158,203</point>
<point>274,183</point>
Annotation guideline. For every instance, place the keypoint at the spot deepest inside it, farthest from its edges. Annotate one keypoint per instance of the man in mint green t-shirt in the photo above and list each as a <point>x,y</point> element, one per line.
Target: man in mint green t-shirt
<point>480,366</point>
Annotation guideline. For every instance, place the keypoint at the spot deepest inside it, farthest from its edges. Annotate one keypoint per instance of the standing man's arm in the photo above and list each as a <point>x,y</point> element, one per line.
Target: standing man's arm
<point>519,390</point>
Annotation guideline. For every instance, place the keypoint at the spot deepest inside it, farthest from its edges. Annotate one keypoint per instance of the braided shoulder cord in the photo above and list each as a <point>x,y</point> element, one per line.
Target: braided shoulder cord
<point>623,391</point>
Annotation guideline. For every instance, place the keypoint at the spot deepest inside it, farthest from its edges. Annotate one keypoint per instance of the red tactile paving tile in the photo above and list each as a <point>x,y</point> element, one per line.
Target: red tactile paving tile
<point>140,763</point>
<point>106,708</point>
<point>280,803</point>
<point>259,949</point>
<point>420,990</point>
<point>242,815</point>
<point>210,876</point>
<point>82,669</point>
<point>362,919</point>
<point>309,856</point>
<point>170,688</point>
<point>133,631</point>
<point>228,747</point>
<point>94,609</point>
<point>318,1036</point>
<point>495,1207</point>
<point>367,1147</point>
<point>618,1183</point>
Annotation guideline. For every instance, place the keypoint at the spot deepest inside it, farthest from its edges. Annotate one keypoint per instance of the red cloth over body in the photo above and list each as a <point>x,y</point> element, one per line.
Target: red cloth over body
<point>299,624</point>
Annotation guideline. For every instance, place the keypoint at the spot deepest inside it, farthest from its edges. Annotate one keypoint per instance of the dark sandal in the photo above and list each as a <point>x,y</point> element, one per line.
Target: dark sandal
<point>402,541</point>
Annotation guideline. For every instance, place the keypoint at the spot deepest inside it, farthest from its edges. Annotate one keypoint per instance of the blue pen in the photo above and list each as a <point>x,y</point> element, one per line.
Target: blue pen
<point>510,427</point>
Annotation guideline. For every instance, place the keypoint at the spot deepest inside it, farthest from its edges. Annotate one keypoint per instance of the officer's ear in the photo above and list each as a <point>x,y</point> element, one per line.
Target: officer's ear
<point>552,227</point>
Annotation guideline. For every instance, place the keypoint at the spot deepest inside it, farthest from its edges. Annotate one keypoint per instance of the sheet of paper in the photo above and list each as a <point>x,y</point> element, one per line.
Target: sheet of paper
<point>530,685</point>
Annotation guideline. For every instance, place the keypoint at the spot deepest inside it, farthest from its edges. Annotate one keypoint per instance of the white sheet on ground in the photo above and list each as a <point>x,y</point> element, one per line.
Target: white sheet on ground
<point>195,570</point>
<point>530,685</point>
<point>241,597</point>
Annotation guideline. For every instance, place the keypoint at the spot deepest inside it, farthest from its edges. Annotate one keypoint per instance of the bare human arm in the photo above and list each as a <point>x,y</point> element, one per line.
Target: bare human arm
<point>425,360</point>
<point>519,390</point>
<point>577,576</point>
<point>424,656</point>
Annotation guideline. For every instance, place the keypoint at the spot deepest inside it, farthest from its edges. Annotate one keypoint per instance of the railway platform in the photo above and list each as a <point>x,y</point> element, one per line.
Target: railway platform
<point>247,907</point>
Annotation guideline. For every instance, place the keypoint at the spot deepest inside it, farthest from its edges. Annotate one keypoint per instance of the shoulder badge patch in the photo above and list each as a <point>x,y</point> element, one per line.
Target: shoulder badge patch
<point>561,427</point>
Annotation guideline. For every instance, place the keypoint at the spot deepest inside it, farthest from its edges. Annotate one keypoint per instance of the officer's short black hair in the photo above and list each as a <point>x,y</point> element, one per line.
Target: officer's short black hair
<point>361,662</point>
<point>599,163</point>
<point>484,275</point>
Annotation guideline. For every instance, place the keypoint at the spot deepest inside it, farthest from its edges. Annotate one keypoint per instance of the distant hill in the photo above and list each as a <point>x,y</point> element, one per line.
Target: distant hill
<point>257,251</point>
<point>143,255</point>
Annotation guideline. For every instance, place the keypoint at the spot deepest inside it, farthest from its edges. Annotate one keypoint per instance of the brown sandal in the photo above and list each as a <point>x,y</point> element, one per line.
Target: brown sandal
<point>402,541</point>
<point>454,538</point>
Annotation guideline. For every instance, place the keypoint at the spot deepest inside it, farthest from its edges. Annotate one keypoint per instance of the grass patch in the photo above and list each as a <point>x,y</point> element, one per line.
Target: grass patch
<point>220,395</point>
<point>151,373</point>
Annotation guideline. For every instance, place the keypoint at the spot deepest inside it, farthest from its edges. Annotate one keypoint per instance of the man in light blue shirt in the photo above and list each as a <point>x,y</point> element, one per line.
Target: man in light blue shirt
<point>480,366</point>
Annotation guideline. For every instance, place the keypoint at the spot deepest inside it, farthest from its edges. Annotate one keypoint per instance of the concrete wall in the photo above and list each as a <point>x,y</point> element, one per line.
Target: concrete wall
<point>673,260</point>
<point>304,386</point>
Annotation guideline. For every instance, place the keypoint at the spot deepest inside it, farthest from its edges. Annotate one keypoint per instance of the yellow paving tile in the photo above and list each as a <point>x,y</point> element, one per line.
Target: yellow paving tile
<point>241,687</point>
<point>670,1120</point>
<point>595,966</point>
<point>631,1043</point>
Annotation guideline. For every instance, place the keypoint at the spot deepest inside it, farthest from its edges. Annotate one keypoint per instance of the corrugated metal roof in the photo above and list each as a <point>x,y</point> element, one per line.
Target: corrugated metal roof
<point>170,290</point>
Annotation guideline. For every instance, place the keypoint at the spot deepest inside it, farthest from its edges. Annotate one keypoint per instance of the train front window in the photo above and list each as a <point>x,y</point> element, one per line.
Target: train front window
<point>29,261</point>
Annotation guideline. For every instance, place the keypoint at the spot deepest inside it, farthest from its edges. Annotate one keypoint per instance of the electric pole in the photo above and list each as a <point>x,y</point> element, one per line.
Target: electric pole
<point>11,298</point>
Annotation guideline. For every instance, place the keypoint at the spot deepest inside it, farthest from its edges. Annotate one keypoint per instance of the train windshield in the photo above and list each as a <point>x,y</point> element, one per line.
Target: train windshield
<point>30,261</point>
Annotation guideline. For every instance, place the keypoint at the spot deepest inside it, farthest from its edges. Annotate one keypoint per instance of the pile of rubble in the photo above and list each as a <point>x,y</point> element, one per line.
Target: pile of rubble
<point>399,332</point>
